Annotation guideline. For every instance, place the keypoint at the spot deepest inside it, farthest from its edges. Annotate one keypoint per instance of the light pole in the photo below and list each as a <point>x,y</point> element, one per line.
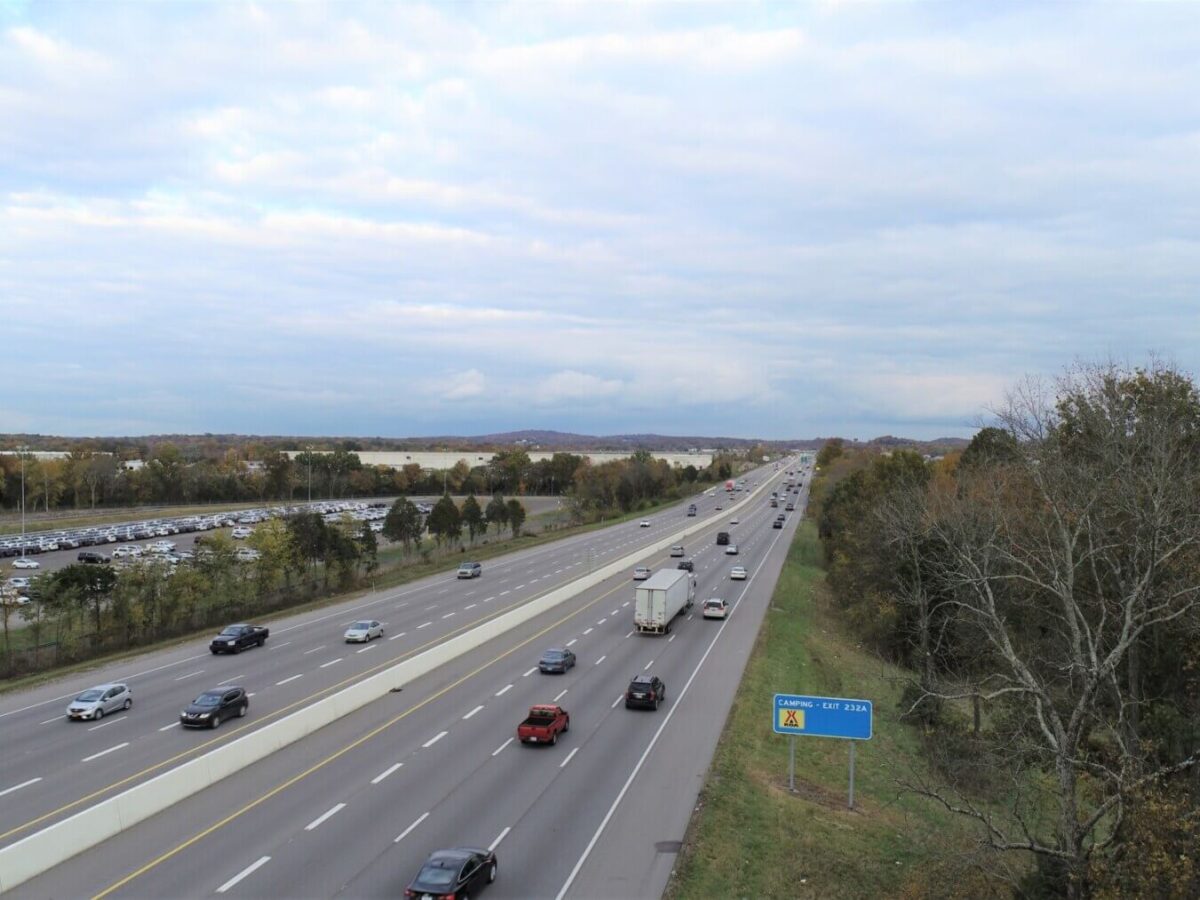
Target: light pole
<point>308,453</point>
<point>24,450</point>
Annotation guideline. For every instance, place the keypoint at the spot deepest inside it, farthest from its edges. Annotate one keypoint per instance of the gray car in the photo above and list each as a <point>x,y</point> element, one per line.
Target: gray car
<point>95,702</point>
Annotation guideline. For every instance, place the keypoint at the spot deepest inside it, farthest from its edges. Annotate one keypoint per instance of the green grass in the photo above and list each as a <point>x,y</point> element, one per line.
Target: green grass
<point>752,838</point>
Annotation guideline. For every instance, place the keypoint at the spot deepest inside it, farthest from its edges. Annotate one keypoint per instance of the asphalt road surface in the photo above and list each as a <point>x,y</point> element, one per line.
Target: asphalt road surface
<point>353,809</point>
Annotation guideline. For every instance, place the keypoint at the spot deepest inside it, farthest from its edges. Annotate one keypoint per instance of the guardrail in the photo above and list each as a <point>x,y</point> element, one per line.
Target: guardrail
<point>57,843</point>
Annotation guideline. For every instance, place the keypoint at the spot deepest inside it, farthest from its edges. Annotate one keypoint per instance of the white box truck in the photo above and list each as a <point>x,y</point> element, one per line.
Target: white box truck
<point>661,598</point>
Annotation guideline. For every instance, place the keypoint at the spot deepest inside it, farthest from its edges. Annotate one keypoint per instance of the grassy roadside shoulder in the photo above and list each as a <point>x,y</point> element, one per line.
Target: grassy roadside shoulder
<point>750,837</point>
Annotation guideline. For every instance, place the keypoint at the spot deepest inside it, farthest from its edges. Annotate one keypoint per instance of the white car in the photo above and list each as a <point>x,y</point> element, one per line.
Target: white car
<point>95,702</point>
<point>731,550</point>
<point>714,608</point>
<point>161,547</point>
<point>246,554</point>
<point>362,632</point>
<point>242,532</point>
<point>24,562</point>
<point>641,573</point>
<point>733,521</point>
<point>737,573</point>
<point>18,581</point>
<point>645,523</point>
<point>677,550</point>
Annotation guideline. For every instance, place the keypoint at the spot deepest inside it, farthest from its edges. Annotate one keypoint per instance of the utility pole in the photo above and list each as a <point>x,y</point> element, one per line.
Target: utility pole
<point>308,453</point>
<point>24,450</point>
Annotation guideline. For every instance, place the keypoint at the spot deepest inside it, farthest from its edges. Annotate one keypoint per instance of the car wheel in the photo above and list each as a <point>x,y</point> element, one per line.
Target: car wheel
<point>492,873</point>
<point>628,705</point>
<point>99,713</point>
<point>566,726</point>
<point>242,710</point>
<point>236,650</point>
<point>262,642</point>
<point>214,653</point>
<point>656,705</point>
<point>216,721</point>
<point>553,739</point>
<point>128,702</point>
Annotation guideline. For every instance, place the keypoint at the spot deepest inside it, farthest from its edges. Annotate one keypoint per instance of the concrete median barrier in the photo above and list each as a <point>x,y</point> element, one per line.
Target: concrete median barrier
<point>56,843</point>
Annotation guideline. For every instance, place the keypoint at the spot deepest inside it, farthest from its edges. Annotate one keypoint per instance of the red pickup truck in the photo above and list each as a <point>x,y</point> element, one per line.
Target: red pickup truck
<point>543,725</point>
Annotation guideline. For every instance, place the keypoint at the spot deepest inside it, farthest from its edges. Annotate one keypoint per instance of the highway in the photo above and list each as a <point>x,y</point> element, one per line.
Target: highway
<point>353,809</point>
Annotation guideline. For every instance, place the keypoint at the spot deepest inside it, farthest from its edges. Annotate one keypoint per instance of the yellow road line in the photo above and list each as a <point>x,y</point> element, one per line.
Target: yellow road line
<point>338,753</point>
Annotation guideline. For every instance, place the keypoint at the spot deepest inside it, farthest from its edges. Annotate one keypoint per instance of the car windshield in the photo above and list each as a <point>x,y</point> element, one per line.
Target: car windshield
<point>207,700</point>
<point>90,696</point>
<point>436,876</point>
<point>230,632</point>
<point>360,626</point>
<point>714,603</point>
<point>552,654</point>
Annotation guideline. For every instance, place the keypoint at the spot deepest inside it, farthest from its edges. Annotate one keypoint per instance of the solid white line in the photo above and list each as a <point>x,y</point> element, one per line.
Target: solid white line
<point>249,870</point>
<point>396,637</point>
<point>190,674</point>
<point>426,625</point>
<point>286,680</point>
<point>561,695</point>
<point>649,747</point>
<point>496,843</point>
<point>330,663</point>
<point>103,752</point>
<point>504,690</point>
<point>106,724</point>
<point>433,740</point>
<point>366,648</point>
<point>325,815</point>
<point>571,641</point>
<point>530,672</point>
<point>602,659</point>
<point>17,787</point>
<point>169,727</point>
<point>385,773</point>
<point>406,831</point>
<point>472,712</point>
<point>618,700</point>
<point>501,747</point>
<point>589,631</point>
<point>228,680</point>
<point>568,759</point>
<point>314,650</point>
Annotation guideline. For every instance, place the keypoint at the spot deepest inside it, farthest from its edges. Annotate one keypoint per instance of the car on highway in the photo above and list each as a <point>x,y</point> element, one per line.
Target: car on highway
<point>24,562</point>
<point>791,507</point>
<point>737,573</point>
<point>687,565</point>
<point>714,608</point>
<point>677,550</point>
<point>543,725</point>
<point>470,570</point>
<point>95,703</point>
<point>731,550</point>
<point>362,632</point>
<point>641,573</point>
<point>778,523</point>
<point>718,507</point>
<point>556,660</point>
<point>645,691</point>
<point>645,523</point>
<point>235,638</point>
<point>211,708</point>
<point>453,874</point>
<point>692,510</point>
<point>734,520</point>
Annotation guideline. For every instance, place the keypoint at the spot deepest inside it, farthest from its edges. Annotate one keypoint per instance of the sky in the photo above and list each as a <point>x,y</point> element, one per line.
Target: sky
<point>776,220</point>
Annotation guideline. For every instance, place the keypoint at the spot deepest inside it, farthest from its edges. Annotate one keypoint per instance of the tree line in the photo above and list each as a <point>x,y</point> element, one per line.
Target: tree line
<point>1042,587</point>
<point>87,479</point>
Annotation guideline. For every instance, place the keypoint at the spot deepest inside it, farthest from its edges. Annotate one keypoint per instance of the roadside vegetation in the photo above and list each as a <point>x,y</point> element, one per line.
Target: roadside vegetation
<point>1024,613</point>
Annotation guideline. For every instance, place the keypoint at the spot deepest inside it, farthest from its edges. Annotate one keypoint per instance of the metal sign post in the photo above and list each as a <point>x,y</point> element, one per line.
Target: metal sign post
<point>832,717</point>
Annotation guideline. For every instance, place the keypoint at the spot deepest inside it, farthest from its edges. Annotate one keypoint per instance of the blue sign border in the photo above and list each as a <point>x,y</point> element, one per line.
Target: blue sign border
<point>826,717</point>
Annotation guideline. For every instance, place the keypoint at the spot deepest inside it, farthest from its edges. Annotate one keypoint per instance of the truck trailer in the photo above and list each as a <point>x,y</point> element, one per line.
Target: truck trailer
<point>661,598</point>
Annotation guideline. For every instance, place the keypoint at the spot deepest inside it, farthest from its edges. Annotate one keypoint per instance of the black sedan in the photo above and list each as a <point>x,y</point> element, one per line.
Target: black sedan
<point>213,707</point>
<point>556,660</point>
<point>461,872</point>
<point>687,565</point>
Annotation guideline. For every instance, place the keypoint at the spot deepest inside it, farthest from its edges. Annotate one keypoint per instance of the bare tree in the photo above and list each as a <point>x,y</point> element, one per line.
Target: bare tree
<point>1059,563</point>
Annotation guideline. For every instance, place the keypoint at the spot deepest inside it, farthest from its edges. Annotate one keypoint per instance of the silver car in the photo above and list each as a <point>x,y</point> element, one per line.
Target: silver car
<point>95,702</point>
<point>363,631</point>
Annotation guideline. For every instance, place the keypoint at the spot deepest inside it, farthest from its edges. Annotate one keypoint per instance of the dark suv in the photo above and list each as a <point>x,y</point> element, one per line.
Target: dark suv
<point>686,564</point>
<point>213,707</point>
<point>722,537</point>
<point>646,691</point>
<point>93,558</point>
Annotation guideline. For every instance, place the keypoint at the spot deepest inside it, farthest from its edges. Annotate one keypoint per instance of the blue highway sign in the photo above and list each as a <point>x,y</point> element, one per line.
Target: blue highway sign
<point>834,717</point>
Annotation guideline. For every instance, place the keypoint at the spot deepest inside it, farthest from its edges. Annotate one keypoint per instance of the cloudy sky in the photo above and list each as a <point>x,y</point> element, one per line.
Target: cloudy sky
<point>775,220</point>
